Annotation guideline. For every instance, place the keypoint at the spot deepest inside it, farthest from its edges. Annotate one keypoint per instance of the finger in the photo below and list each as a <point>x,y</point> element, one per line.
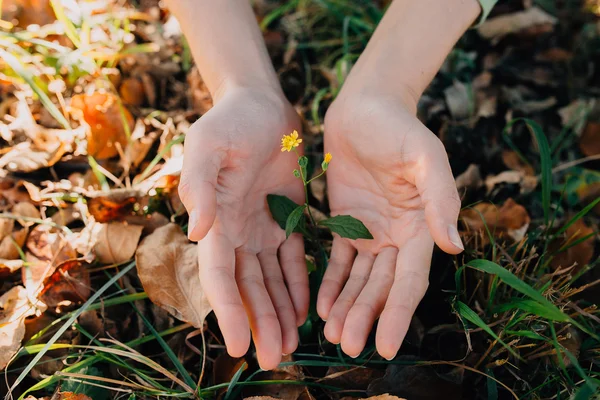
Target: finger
<point>356,282</point>
<point>264,323</point>
<point>369,303</point>
<point>293,265</point>
<point>281,300</point>
<point>216,258</point>
<point>336,274</point>
<point>410,284</point>
<point>197,187</point>
<point>438,192</point>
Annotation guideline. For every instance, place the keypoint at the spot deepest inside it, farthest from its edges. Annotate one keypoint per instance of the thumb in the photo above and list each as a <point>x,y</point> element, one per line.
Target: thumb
<point>197,190</point>
<point>438,192</point>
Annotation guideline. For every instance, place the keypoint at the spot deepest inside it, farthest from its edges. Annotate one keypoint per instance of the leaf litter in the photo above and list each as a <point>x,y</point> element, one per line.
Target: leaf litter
<point>78,201</point>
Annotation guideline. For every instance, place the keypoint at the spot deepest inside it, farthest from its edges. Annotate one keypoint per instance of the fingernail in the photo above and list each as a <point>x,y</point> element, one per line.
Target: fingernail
<point>354,356</point>
<point>391,358</point>
<point>193,221</point>
<point>455,237</point>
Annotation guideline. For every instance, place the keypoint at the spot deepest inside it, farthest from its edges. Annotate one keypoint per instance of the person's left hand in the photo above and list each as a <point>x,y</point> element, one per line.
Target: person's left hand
<point>392,173</point>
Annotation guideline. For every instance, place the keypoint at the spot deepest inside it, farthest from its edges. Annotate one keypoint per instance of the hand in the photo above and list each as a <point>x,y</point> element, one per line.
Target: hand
<point>232,161</point>
<point>392,173</point>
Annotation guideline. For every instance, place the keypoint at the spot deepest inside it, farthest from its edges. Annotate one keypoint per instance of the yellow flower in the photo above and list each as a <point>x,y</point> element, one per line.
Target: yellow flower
<point>289,142</point>
<point>328,157</point>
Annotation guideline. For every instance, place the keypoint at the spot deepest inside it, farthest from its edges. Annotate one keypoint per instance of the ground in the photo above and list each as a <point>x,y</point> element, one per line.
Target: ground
<point>95,101</point>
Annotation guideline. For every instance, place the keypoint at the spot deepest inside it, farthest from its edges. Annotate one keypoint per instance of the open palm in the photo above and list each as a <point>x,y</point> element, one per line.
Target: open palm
<point>232,162</point>
<point>392,173</point>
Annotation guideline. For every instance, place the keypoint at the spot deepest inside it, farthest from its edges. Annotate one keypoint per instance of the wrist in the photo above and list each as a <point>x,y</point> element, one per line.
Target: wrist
<point>268,87</point>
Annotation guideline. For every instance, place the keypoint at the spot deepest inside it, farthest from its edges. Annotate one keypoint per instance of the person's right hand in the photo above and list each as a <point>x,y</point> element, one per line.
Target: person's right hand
<point>232,161</point>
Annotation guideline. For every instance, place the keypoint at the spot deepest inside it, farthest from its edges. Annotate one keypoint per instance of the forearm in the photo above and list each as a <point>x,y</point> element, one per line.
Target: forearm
<point>226,43</point>
<point>409,46</point>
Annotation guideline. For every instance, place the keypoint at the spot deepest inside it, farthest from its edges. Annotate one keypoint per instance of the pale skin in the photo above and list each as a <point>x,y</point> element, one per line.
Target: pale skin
<point>388,170</point>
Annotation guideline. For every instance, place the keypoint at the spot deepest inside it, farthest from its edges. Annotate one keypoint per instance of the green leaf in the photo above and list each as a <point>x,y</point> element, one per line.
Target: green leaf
<point>511,280</point>
<point>465,312</point>
<point>533,307</point>
<point>92,391</point>
<point>281,207</point>
<point>347,227</point>
<point>293,220</point>
<point>545,160</point>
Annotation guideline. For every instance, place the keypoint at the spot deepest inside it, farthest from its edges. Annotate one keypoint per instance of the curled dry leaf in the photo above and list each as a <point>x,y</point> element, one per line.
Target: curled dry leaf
<point>580,254</point>
<point>108,122</point>
<point>512,160</point>
<point>510,219</point>
<point>132,91</point>
<point>282,391</point>
<point>167,265</point>
<point>28,12</point>
<point>116,242</point>
<point>199,96</point>
<point>15,306</point>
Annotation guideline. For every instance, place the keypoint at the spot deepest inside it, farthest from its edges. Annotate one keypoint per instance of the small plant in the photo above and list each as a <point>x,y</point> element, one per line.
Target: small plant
<point>289,215</point>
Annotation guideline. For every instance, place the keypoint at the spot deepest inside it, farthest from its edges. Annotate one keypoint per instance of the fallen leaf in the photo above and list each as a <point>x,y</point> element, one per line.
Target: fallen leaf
<point>167,265</point>
<point>580,254</point>
<point>526,183</point>
<point>12,192</point>
<point>72,396</point>
<point>9,246</point>
<point>225,368</point>
<point>589,143</point>
<point>69,282</point>
<point>8,267</point>
<point>511,219</point>
<point>15,306</point>
<point>29,12</point>
<point>497,27</point>
<point>29,157</point>
<point>116,242</point>
<point>470,179</point>
<point>512,160</point>
<point>459,98</point>
<point>282,391</point>
<point>6,227</point>
<point>351,378</point>
<point>114,205</point>
<point>108,122</point>
<point>132,91</point>
<point>26,209</point>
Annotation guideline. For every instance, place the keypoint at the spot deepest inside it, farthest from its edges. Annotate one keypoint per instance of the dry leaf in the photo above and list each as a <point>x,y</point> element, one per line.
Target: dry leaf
<point>28,12</point>
<point>132,91</point>
<point>69,282</point>
<point>282,391</point>
<point>28,157</point>
<point>107,121</point>
<point>167,265</point>
<point>6,227</point>
<point>512,160</point>
<point>8,267</point>
<point>9,246</point>
<point>15,306</point>
<point>471,178</point>
<point>198,92</point>
<point>114,205</point>
<point>26,209</point>
<point>503,25</point>
<point>511,219</point>
<point>116,242</point>
<point>580,254</point>
<point>589,143</point>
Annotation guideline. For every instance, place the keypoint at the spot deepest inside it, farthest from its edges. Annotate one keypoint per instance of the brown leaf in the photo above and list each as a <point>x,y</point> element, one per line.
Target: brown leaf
<point>6,227</point>
<point>511,219</point>
<point>355,378</point>
<point>8,267</point>
<point>512,160</point>
<point>589,143</point>
<point>107,121</point>
<point>9,246</point>
<point>26,209</point>
<point>29,12</point>
<point>12,191</point>
<point>116,242</point>
<point>167,265</point>
<point>580,254</point>
<point>28,156</point>
<point>282,391</point>
<point>198,92</point>
<point>69,282</point>
<point>503,25</point>
<point>225,368</point>
<point>132,91</point>
<point>73,396</point>
<point>15,306</point>
<point>114,205</point>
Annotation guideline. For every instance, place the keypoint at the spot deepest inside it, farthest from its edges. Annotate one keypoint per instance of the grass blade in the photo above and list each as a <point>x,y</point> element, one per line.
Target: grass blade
<point>66,326</point>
